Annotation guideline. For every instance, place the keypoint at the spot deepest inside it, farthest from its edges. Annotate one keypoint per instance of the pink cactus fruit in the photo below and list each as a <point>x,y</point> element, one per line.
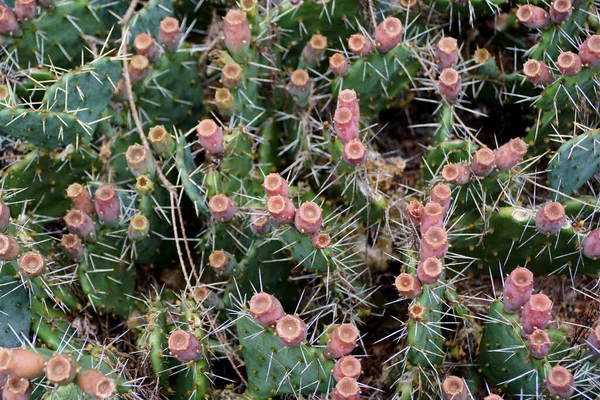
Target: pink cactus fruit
<point>16,389</point>
<point>560,382</point>
<point>25,9</point>
<point>342,341</point>
<point>291,330</point>
<point>346,126</point>
<point>314,49</point>
<point>72,246</point>
<point>539,343</point>
<point>442,194</point>
<point>408,286</point>
<point>21,363</point>
<point>338,64</point>
<point>518,288</point>
<point>360,45</point>
<point>260,224</point>
<point>550,218</point>
<point>348,99</point>
<point>9,248</point>
<point>450,84</point>
<point>320,240</point>
<point>589,51</point>
<point>416,311</point>
<point>590,246</point>
<point>354,152</point>
<point>96,384</point>
<point>532,17</point>
<point>237,34</point>
<point>169,34</point>
<point>569,63</point>
<point>80,198</point>
<point>221,208</point>
<point>537,72</point>
<point>275,185</point>
<point>281,209</point>
<point>493,397</point>
<point>346,389</point>
<point>309,218</point>
<point>510,154</point>
<point>140,160</point>
<point>388,34</point>
<point>415,209</point>
<point>107,204</point>
<point>347,367</point>
<point>300,84</point>
<point>561,10</point>
<point>266,309</point>
<point>184,346</point>
<point>454,388</point>
<point>434,243</point>
<point>32,264</point>
<point>483,162</point>
<point>536,313</point>
<point>210,136</point>
<point>61,369</point>
<point>145,46</point>
<point>80,224</point>
<point>8,20</point>
<point>231,75</point>
<point>446,53</point>
<point>433,215</point>
<point>430,270</point>
<point>222,262</point>
<point>139,67</point>
<point>456,174</point>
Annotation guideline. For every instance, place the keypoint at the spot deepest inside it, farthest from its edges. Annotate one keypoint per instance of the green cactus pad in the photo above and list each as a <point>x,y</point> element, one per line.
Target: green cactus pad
<point>15,314</point>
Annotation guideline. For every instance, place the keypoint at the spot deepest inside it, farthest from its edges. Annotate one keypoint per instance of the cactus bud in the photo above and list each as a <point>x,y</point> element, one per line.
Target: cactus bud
<point>536,313</point>
<point>140,161</point>
<point>360,45</point>
<point>210,136</point>
<point>346,389</point>
<point>20,363</point>
<point>457,174</point>
<point>408,286</point>
<point>144,185</point>
<point>291,330</point>
<point>139,227</point>
<point>416,311</point>
<point>320,240</point>
<point>569,63</point>
<point>9,248</point>
<point>95,384</point>
<point>160,140</point>
<point>342,341</point>
<point>138,68</point>
<point>338,64</point>
<point>450,84</point>
<point>446,53</point>
<point>561,10</point>
<point>237,34</point>
<point>433,215</point>
<point>222,262</point>
<point>260,224</point>
<point>309,218</point>
<point>221,208</point>
<point>550,218</point>
<point>510,154</point>
<point>184,346</point>
<point>224,101</point>
<point>108,205</point>
<point>537,72</point>
<point>454,388</point>
<point>4,216</point>
<point>348,99</point>
<point>593,340</point>
<point>25,9</point>
<point>281,209</point>
<point>266,309</point>
<point>72,246</point>
<point>560,382</point>
<point>300,86</point>
<point>415,212</point>
<point>590,247</point>
<point>347,367</point>
<point>80,198</point>
<point>388,34</point>
<point>61,369</point>
<point>539,343</point>
<point>346,126</point>
<point>80,224</point>
<point>8,20</point>
<point>231,75</point>
<point>16,389</point>
<point>430,270</point>
<point>314,49</point>
<point>32,264</point>
<point>169,34</point>
<point>354,152</point>
<point>442,194</point>
<point>532,17</point>
<point>517,289</point>
<point>434,243</point>
<point>145,46</point>
<point>275,185</point>
<point>483,162</point>
<point>589,51</point>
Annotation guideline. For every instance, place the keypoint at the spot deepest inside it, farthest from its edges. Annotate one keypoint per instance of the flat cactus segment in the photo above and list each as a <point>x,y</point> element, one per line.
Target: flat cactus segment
<point>504,358</point>
<point>68,392</point>
<point>147,20</point>
<point>575,162</point>
<point>191,382</point>
<point>274,369</point>
<point>15,314</point>
<point>30,178</point>
<point>304,253</point>
<point>191,179</point>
